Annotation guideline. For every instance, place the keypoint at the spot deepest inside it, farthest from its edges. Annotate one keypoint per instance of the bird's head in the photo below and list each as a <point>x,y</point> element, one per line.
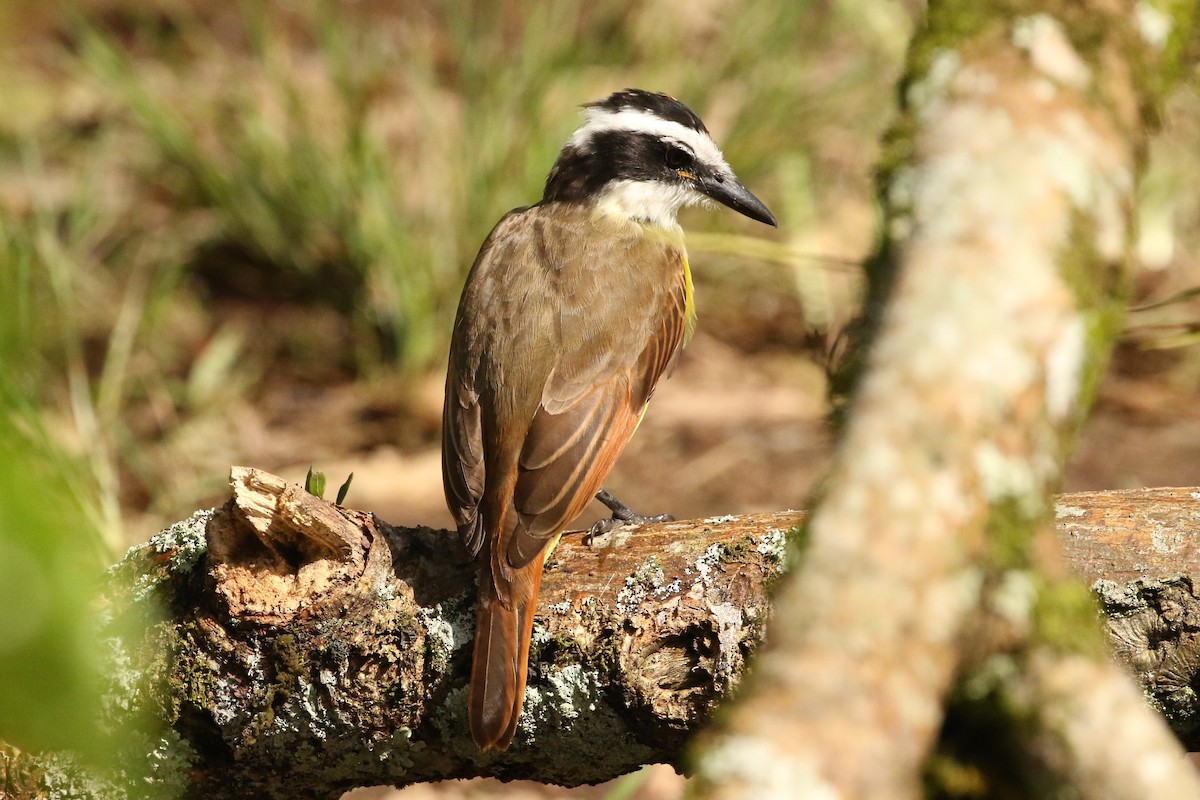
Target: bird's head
<point>643,155</point>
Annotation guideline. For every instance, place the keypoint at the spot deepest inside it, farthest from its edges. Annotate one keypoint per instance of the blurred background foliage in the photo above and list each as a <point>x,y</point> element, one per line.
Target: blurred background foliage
<point>207,203</point>
<point>49,664</point>
<point>213,212</point>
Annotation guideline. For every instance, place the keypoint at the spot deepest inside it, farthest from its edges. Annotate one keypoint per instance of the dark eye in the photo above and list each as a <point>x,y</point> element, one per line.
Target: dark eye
<point>678,158</point>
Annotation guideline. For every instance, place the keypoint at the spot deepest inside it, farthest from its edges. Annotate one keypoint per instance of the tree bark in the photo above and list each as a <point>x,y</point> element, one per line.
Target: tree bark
<point>308,649</point>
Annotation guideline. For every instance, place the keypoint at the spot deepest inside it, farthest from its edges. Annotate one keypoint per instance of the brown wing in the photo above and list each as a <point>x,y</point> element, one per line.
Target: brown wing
<point>462,458</point>
<point>560,339</point>
<point>478,428</point>
<point>617,339</point>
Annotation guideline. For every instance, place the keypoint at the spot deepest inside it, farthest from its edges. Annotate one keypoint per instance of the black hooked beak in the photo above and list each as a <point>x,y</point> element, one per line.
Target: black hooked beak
<point>727,190</point>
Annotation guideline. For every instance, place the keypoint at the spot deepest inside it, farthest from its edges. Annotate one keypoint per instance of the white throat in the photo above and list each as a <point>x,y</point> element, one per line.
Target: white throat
<point>648,202</point>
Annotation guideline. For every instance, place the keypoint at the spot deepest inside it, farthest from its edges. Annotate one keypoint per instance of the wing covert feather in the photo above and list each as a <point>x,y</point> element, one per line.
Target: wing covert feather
<point>594,400</point>
<point>560,340</point>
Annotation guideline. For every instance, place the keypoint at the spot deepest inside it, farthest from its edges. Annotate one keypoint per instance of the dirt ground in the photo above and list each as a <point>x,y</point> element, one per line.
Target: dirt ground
<point>729,433</point>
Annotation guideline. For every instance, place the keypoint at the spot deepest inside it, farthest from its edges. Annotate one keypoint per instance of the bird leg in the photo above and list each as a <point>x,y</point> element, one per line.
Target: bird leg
<point>622,515</point>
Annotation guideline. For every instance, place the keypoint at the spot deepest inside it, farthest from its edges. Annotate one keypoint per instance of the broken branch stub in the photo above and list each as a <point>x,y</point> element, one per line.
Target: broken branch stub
<point>276,548</point>
<point>291,522</point>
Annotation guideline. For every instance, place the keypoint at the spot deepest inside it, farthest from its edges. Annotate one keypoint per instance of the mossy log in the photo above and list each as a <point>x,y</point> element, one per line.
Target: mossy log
<point>307,649</point>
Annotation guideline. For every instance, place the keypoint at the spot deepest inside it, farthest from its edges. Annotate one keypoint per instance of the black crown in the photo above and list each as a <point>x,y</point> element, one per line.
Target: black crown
<point>660,105</point>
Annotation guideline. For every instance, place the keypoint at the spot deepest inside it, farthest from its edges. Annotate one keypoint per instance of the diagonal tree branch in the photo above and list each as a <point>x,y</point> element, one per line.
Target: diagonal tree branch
<point>1007,192</point>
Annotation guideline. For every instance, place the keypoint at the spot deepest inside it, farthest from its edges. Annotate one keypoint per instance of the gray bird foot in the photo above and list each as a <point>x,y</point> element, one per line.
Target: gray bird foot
<point>608,532</point>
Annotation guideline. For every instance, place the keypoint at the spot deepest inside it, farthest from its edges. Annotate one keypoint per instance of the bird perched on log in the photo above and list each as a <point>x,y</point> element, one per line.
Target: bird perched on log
<point>574,309</point>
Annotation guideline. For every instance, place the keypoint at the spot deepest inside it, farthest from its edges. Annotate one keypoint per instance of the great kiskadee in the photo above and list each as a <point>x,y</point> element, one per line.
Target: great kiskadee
<point>573,310</point>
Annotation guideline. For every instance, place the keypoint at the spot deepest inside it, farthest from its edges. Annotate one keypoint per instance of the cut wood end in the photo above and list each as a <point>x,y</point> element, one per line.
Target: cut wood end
<point>275,549</point>
<point>283,514</point>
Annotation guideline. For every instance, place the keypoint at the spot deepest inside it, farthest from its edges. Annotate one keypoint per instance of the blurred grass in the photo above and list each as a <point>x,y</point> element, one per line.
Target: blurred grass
<point>51,551</point>
<point>211,208</point>
<point>208,200</point>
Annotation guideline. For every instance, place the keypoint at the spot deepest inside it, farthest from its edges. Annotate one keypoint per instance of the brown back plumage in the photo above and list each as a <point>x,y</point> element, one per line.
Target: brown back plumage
<point>567,322</point>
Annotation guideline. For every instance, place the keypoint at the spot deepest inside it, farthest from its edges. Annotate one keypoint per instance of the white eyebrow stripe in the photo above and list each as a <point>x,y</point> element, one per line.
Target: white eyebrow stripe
<point>599,120</point>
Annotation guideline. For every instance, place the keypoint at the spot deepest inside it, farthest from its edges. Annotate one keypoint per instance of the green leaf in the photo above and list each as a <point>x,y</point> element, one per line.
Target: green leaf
<point>345,487</point>
<point>314,483</point>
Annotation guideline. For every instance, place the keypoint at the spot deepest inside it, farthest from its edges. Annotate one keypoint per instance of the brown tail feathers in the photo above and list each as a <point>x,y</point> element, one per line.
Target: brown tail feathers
<point>499,667</point>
